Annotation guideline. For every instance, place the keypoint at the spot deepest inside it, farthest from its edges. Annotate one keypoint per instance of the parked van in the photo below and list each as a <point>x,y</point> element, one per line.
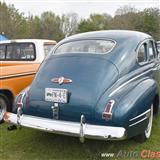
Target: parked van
<point>19,61</point>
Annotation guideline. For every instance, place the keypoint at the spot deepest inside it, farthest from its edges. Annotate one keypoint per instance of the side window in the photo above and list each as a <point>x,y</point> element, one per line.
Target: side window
<point>20,51</point>
<point>27,51</point>
<point>13,52</point>
<point>151,51</point>
<point>158,47</point>
<point>2,51</point>
<point>48,48</point>
<point>142,53</point>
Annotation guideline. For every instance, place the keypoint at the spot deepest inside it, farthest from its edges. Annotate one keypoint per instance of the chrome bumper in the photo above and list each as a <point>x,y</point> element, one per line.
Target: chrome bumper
<point>81,129</point>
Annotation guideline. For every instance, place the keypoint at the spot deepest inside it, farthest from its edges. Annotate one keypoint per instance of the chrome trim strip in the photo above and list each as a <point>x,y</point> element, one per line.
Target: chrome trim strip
<point>140,115</point>
<point>19,113</point>
<point>80,129</point>
<point>17,75</point>
<point>138,122</point>
<point>125,83</point>
<point>55,110</point>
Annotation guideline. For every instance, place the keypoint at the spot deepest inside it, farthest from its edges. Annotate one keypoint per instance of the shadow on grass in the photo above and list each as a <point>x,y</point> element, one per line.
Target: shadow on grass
<point>33,144</point>
<point>70,147</point>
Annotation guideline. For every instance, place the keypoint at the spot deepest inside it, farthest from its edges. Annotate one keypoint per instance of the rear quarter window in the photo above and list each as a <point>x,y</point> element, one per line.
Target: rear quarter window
<point>151,50</point>
<point>142,54</point>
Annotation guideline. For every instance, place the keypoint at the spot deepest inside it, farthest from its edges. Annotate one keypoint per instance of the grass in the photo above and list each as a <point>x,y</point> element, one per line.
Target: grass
<point>29,144</point>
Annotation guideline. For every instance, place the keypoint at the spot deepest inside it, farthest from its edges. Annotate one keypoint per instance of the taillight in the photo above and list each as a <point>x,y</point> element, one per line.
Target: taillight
<point>107,113</point>
<point>20,98</point>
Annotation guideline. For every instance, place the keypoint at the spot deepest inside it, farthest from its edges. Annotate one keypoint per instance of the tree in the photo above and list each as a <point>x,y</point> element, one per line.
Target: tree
<point>94,22</point>
<point>125,18</point>
<point>50,25</point>
<point>69,23</point>
<point>12,23</point>
<point>129,18</point>
<point>125,10</point>
<point>151,22</point>
<point>34,29</point>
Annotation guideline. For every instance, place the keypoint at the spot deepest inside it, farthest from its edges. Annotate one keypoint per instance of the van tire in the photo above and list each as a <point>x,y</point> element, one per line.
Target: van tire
<point>4,106</point>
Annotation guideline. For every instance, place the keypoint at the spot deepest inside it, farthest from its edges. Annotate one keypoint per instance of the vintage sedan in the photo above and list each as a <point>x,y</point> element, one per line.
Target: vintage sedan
<point>100,85</point>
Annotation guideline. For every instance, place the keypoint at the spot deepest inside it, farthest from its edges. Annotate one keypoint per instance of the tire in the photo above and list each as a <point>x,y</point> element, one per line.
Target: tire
<point>147,133</point>
<point>4,105</point>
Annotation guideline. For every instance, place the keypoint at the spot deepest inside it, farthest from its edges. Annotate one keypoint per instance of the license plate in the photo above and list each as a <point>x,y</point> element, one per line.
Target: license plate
<point>56,95</point>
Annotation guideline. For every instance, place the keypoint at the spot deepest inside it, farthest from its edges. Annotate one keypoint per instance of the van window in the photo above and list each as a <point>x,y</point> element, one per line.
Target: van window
<point>48,48</point>
<point>2,51</point>
<point>20,51</point>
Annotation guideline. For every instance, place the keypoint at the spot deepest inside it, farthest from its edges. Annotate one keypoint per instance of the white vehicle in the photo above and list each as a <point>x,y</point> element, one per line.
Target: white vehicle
<point>19,61</point>
<point>9,50</point>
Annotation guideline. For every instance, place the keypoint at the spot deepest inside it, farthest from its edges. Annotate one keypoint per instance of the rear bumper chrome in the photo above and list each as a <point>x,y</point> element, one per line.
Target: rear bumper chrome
<point>81,130</point>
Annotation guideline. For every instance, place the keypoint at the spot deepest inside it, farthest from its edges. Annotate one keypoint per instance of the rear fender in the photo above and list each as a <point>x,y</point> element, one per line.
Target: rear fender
<point>136,102</point>
<point>130,101</point>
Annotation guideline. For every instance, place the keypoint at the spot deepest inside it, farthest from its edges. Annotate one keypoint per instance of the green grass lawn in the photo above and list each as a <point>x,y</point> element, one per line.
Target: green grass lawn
<point>29,144</point>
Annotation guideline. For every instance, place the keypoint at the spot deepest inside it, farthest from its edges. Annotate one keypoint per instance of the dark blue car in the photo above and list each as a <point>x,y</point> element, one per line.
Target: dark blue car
<point>100,85</point>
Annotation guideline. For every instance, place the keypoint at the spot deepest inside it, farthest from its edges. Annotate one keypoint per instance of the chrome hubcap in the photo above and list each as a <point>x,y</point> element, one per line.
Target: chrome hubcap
<point>2,110</point>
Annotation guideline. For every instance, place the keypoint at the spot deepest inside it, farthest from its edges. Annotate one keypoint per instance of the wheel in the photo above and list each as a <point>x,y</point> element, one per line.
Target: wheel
<point>4,104</point>
<point>147,133</point>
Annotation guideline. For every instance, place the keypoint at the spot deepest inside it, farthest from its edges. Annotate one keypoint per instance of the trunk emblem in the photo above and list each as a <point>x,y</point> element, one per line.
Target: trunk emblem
<point>61,80</point>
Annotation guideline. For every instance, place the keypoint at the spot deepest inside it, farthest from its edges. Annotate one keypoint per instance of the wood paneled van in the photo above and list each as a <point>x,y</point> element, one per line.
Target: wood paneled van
<point>19,61</point>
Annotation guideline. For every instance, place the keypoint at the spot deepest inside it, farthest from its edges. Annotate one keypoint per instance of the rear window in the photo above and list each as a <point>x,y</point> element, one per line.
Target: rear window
<point>86,46</point>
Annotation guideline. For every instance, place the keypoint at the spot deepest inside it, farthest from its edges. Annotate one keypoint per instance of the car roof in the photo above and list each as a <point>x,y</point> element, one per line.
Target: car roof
<point>110,34</point>
<point>27,40</point>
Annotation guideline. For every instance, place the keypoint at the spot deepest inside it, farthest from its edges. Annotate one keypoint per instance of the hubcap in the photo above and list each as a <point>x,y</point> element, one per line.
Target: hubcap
<point>149,127</point>
<point>2,109</point>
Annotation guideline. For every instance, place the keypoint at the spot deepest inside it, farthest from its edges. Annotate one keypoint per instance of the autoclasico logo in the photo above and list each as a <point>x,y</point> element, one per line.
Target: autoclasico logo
<point>150,154</point>
<point>133,154</point>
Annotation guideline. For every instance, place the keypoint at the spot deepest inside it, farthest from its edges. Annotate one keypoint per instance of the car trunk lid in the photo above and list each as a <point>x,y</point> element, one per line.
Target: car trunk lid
<point>90,75</point>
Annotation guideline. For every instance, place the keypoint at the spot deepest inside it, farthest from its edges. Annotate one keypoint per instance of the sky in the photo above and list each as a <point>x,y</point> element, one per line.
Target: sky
<point>82,7</point>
